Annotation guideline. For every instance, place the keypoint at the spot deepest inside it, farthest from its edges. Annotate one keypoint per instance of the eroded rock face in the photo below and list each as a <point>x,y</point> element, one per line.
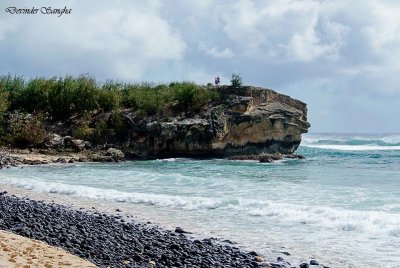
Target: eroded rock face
<point>247,120</point>
<point>116,154</point>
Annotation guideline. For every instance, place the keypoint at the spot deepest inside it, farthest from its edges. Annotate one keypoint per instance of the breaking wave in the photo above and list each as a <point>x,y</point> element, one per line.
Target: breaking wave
<point>370,222</point>
<point>346,142</point>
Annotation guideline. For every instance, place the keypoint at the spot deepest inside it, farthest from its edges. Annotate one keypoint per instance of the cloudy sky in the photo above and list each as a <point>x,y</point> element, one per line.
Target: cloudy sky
<point>341,57</point>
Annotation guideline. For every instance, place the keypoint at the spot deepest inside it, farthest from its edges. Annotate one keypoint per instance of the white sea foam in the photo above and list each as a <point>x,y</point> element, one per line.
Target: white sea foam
<point>369,222</point>
<point>388,138</point>
<point>170,159</point>
<point>352,147</point>
<point>114,195</point>
<point>346,142</point>
<point>391,138</point>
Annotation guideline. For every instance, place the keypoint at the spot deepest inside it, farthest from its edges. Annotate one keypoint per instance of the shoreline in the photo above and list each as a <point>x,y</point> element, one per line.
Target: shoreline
<point>112,240</point>
<point>12,157</point>
<point>17,157</point>
<point>120,218</point>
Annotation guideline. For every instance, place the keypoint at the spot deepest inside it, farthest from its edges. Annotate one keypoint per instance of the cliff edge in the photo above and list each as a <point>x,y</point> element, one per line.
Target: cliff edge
<point>244,121</point>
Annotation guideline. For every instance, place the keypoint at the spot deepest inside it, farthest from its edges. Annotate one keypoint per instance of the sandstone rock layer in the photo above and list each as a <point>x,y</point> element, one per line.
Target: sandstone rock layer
<point>246,120</point>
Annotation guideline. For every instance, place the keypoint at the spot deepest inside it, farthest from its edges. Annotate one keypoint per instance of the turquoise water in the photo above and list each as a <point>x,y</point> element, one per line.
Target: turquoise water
<point>341,205</point>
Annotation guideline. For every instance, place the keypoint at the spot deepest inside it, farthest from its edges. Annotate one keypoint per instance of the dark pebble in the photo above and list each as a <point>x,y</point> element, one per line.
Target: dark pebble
<point>276,265</point>
<point>108,242</point>
<point>228,241</point>
<point>179,230</point>
<point>253,253</point>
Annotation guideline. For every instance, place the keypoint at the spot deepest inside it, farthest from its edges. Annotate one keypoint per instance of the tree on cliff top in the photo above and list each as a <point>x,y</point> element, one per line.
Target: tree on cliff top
<point>236,80</point>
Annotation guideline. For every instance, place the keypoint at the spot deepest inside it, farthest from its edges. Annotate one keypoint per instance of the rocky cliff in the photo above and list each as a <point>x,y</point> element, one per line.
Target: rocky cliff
<point>246,120</point>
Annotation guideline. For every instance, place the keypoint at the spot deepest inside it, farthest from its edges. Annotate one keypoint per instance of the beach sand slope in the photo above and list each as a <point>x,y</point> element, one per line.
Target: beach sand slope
<point>17,251</point>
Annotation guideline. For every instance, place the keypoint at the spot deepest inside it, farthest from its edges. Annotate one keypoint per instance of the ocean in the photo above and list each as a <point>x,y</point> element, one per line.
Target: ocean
<point>341,205</point>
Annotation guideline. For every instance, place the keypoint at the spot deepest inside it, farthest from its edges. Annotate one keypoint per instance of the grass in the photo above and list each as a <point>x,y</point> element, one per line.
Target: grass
<point>63,97</point>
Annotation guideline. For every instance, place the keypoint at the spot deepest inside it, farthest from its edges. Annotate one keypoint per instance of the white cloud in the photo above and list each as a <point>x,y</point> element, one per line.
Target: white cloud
<point>121,39</point>
<point>225,53</point>
<point>358,70</point>
<point>385,28</point>
<point>285,30</point>
<point>307,46</point>
<point>7,25</point>
<point>242,23</point>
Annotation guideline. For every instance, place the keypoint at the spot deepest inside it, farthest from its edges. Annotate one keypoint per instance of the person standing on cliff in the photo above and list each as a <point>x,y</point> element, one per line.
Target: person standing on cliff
<point>217,81</point>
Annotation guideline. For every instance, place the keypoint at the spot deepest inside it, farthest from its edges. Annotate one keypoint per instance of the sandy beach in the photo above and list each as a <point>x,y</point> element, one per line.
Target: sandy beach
<point>17,251</point>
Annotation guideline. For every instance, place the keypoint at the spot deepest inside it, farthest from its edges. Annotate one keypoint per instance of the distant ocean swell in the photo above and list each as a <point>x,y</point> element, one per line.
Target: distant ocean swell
<point>352,142</point>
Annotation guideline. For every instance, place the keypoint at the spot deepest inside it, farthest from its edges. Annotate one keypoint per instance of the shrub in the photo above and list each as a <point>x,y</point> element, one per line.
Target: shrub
<point>72,96</point>
<point>193,97</point>
<point>100,133</point>
<point>34,95</point>
<point>110,96</point>
<point>203,97</point>
<point>3,102</point>
<point>26,130</point>
<point>236,80</point>
<point>185,94</point>
<point>143,97</point>
<point>85,94</point>
<point>81,130</point>
<point>61,98</point>
<point>13,85</point>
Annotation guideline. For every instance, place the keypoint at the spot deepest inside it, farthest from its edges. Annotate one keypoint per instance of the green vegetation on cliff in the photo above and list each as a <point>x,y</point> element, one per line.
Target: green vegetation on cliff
<point>63,97</point>
<point>3,102</point>
<point>76,100</point>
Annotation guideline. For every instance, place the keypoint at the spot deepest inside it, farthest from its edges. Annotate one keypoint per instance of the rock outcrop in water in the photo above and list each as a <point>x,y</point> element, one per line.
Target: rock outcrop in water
<point>245,121</point>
